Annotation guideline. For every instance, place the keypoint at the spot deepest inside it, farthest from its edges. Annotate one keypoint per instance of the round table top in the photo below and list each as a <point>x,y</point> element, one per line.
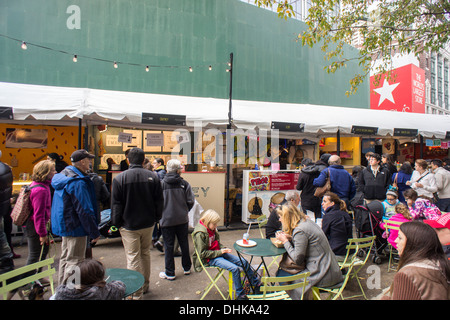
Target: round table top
<point>263,248</point>
<point>133,280</point>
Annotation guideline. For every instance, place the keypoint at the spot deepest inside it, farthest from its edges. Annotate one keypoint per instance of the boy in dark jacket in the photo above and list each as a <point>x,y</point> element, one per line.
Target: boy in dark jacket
<point>374,180</point>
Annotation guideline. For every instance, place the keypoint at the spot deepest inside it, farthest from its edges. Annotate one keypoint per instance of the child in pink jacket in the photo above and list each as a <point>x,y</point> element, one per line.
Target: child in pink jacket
<point>401,214</point>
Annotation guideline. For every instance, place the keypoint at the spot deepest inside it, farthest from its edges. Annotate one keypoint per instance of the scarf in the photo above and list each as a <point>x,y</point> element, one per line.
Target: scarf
<point>213,243</point>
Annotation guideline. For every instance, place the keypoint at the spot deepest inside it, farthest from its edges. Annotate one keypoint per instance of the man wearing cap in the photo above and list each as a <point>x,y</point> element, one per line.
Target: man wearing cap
<point>442,227</point>
<point>74,211</point>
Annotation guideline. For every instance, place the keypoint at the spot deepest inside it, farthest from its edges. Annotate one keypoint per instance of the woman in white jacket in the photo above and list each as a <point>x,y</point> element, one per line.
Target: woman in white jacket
<point>422,180</point>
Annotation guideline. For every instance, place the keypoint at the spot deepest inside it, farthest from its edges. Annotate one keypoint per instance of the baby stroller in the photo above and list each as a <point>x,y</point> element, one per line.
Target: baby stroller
<point>106,227</point>
<point>368,218</point>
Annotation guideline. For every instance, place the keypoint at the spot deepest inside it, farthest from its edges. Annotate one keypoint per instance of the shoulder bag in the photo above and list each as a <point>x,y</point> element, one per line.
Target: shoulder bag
<point>288,265</point>
<point>320,191</point>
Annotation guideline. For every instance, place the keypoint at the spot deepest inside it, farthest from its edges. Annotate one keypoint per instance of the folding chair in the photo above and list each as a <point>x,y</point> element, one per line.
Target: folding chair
<point>262,221</point>
<point>392,225</point>
<point>213,280</point>
<point>358,252</point>
<point>9,283</point>
<point>274,288</point>
<point>335,292</point>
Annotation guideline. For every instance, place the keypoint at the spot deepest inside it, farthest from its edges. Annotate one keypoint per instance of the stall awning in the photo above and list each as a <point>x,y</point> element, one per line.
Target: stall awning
<point>319,119</point>
<point>50,103</point>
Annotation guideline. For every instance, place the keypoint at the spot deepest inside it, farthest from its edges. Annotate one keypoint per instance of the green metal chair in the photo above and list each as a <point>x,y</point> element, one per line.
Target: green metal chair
<point>275,288</point>
<point>392,225</point>
<point>358,252</point>
<point>335,292</point>
<point>220,274</point>
<point>8,283</point>
<point>262,222</point>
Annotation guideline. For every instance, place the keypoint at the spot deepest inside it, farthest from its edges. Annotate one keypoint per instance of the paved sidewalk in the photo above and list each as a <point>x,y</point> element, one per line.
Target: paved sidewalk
<point>189,287</point>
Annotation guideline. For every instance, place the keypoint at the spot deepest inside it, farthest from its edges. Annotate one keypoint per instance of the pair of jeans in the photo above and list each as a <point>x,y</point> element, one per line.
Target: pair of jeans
<point>181,232</point>
<point>232,263</point>
<point>34,244</point>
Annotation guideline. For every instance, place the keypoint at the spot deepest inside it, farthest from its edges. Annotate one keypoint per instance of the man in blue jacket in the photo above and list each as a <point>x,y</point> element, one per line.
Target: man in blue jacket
<point>74,211</point>
<point>341,181</point>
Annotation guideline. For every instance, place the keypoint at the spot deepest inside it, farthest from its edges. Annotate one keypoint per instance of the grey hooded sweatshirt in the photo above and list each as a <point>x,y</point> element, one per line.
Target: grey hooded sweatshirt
<point>178,200</point>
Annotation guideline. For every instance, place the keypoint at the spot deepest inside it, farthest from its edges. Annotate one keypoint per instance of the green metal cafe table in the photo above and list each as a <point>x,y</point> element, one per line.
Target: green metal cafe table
<point>263,248</point>
<point>133,280</point>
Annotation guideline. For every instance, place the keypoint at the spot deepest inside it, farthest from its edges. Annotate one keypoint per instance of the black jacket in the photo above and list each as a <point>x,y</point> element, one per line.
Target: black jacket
<point>273,222</point>
<point>178,200</point>
<point>305,185</point>
<point>337,226</point>
<point>374,188</point>
<point>136,198</point>
<point>6,186</point>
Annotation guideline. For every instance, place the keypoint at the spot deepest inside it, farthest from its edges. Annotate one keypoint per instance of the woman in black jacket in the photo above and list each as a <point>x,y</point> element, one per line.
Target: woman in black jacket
<point>336,224</point>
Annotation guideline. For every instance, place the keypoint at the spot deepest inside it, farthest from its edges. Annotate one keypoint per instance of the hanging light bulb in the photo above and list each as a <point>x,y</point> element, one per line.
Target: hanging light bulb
<point>210,68</point>
<point>147,69</point>
<point>75,58</point>
<point>115,65</point>
<point>24,45</point>
<point>190,69</point>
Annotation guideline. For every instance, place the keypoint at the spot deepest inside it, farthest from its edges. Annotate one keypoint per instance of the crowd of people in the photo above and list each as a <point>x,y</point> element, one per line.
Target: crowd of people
<point>150,202</point>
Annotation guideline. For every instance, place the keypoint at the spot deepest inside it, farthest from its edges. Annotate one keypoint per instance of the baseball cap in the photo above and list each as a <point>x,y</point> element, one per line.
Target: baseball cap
<point>80,155</point>
<point>442,222</point>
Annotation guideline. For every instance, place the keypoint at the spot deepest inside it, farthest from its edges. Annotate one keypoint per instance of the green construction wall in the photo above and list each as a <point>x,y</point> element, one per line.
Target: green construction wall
<point>268,64</point>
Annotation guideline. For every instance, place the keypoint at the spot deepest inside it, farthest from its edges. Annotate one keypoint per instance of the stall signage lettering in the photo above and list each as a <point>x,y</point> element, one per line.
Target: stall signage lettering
<point>288,126</point>
<point>165,119</point>
<point>364,130</point>
<point>200,191</point>
<point>259,181</point>
<point>6,113</point>
<point>405,132</point>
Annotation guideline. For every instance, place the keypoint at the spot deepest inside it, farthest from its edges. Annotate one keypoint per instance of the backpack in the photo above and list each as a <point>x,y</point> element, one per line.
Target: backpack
<point>22,208</point>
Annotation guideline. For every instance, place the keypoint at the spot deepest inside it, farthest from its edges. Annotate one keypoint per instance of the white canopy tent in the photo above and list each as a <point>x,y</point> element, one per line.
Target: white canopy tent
<point>327,120</point>
<point>47,104</point>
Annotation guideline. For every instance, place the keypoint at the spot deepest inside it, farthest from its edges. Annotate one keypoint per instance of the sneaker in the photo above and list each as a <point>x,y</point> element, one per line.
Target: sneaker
<point>187,272</point>
<point>163,275</point>
<point>159,246</point>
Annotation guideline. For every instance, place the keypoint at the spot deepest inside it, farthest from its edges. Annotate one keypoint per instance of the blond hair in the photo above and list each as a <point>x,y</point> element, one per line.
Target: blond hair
<point>41,170</point>
<point>210,216</point>
<point>290,217</point>
<point>403,209</point>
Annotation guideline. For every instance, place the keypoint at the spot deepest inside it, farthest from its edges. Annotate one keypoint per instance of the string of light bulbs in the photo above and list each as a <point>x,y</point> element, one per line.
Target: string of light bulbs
<point>24,45</point>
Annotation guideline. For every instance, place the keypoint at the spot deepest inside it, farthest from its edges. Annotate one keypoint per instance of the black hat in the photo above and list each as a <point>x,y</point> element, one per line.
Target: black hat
<point>80,155</point>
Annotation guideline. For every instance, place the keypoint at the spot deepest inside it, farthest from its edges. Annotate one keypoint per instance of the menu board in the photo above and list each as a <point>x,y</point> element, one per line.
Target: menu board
<point>262,189</point>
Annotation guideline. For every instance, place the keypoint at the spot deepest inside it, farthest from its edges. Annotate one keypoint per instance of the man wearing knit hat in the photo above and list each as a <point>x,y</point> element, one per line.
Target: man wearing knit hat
<point>442,227</point>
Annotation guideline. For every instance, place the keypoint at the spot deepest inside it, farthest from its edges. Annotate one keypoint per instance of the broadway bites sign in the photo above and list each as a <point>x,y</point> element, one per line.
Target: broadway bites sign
<point>404,92</point>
